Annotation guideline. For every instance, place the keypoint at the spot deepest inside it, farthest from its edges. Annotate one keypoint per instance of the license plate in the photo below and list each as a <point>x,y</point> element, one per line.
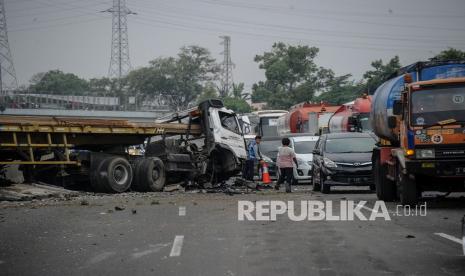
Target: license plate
<point>460,171</point>
<point>355,180</point>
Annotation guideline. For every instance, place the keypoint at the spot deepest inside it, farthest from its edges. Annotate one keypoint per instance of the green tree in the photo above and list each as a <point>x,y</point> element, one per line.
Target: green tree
<point>179,81</point>
<point>209,92</point>
<point>291,75</point>
<point>237,104</point>
<point>100,85</point>
<point>381,73</point>
<point>238,91</point>
<point>449,54</point>
<point>341,90</point>
<point>57,82</point>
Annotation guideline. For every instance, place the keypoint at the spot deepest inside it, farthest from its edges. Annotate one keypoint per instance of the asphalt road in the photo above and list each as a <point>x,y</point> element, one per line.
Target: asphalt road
<point>199,234</point>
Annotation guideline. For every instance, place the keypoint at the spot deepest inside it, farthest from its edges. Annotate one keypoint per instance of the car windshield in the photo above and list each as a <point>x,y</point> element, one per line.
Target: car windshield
<point>365,122</point>
<point>270,148</point>
<point>304,147</point>
<point>429,107</point>
<point>350,144</point>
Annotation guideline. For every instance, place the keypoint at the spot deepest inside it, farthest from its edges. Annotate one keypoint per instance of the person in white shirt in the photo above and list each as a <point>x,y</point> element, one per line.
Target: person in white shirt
<point>286,159</point>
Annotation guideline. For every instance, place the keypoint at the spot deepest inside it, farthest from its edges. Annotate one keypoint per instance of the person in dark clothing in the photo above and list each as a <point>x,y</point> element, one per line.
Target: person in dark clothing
<point>253,157</point>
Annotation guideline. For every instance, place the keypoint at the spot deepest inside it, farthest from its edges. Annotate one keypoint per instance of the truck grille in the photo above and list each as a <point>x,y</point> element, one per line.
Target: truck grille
<point>450,152</point>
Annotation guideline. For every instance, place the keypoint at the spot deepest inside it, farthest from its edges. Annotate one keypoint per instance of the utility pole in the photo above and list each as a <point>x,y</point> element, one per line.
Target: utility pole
<point>120,64</point>
<point>226,80</point>
<point>8,80</point>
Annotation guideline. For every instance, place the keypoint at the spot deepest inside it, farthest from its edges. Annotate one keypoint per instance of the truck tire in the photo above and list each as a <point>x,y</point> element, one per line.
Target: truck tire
<point>408,190</point>
<point>385,188</point>
<point>96,179</point>
<point>315,186</point>
<point>115,175</point>
<point>149,175</point>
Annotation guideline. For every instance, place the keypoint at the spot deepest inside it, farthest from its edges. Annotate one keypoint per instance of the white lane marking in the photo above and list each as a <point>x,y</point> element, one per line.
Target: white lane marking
<point>177,246</point>
<point>153,249</point>
<point>449,237</point>
<point>182,211</point>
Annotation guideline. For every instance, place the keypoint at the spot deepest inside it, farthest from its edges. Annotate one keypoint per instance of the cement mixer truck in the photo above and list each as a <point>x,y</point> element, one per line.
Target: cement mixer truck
<point>419,116</point>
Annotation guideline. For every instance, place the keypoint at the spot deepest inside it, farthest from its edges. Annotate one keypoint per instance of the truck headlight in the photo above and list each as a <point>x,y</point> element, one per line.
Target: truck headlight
<point>425,153</point>
<point>300,162</point>
<point>329,163</point>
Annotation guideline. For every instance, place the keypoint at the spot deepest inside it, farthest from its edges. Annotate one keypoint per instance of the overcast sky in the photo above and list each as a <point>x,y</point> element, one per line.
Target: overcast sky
<point>73,36</point>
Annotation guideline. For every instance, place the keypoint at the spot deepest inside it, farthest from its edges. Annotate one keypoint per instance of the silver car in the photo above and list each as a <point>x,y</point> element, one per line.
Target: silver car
<point>303,147</point>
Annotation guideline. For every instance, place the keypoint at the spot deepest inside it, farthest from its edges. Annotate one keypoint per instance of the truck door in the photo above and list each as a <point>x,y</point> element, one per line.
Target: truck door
<point>227,131</point>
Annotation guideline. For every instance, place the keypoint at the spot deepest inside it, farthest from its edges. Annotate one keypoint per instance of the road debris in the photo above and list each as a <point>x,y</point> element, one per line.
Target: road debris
<point>84,202</point>
<point>119,208</point>
<point>27,192</point>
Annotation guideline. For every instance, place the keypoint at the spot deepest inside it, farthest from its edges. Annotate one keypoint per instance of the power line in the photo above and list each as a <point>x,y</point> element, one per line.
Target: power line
<point>299,30</point>
<point>57,25</point>
<point>48,5</point>
<point>389,12</point>
<point>281,12</point>
<point>255,36</point>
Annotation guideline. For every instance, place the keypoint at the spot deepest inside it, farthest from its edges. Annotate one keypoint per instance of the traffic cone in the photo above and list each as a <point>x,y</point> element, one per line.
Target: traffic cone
<point>265,174</point>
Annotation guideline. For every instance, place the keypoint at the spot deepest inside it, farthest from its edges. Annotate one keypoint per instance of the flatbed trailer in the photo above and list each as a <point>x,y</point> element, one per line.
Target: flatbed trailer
<point>25,134</point>
<point>46,147</point>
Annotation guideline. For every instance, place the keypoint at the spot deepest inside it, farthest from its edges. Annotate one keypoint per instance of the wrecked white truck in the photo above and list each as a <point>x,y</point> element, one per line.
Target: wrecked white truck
<point>201,145</point>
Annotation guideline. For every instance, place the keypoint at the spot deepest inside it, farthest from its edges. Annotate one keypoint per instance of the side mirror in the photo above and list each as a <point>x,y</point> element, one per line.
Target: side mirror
<point>397,107</point>
<point>316,151</point>
<point>392,122</point>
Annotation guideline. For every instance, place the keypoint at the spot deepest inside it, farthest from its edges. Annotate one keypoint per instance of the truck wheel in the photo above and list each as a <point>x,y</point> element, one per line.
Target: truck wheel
<point>408,193</point>
<point>115,174</point>
<point>149,175</point>
<point>315,186</point>
<point>385,188</point>
<point>96,179</point>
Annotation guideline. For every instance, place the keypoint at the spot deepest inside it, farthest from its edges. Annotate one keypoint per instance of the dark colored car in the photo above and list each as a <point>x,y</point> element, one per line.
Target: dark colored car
<point>269,150</point>
<point>343,159</point>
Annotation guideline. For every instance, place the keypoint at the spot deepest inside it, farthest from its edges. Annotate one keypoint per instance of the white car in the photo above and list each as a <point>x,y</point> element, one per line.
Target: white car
<point>303,147</point>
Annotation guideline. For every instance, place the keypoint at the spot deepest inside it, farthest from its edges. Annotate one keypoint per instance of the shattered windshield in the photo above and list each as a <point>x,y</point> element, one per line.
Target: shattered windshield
<point>432,106</point>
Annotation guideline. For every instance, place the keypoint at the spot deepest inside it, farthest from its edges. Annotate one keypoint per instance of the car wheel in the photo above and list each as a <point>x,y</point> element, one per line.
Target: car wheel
<point>325,188</point>
<point>315,186</point>
<point>372,187</point>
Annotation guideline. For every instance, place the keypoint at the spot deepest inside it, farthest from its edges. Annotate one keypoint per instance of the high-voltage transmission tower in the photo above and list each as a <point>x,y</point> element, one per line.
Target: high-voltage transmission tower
<point>8,81</point>
<point>226,79</point>
<point>120,64</point>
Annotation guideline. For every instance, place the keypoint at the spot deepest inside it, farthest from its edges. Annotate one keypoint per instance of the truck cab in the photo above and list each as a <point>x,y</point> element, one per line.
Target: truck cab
<point>431,116</point>
<point>426,151</point>
<point>214,156</point>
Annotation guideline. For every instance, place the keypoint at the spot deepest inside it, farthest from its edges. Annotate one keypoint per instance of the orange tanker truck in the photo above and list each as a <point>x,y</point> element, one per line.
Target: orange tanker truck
<point>352,116</point>
<point>419,117</point>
